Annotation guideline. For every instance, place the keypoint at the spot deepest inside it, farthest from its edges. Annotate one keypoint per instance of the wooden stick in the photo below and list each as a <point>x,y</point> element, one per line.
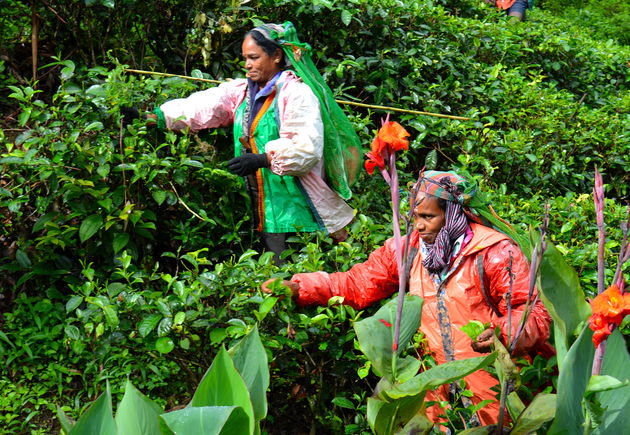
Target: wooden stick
<point>348,103</point>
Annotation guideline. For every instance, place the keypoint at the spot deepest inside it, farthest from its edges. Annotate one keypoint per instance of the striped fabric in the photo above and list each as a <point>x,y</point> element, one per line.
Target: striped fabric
<point>440,251</point>
<point>447,185</point>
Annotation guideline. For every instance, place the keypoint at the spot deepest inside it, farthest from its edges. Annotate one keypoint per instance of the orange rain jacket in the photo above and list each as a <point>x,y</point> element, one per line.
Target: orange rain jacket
<point>377,278</point>
<point>504,4</point>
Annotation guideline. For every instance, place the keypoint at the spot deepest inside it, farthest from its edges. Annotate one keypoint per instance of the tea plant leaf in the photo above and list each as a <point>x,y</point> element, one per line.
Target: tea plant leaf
<point>73,303</point>
<point>430,161</point>
<point>473,329</point>
<point>164,327</point>
<point>73,332</point>
<point>149,323</point>
<point>342,402</point>
<point>164,345</point>
<point>96,125</point>
<point>120,241</point>
<point>90,226</point>
<point>22,259</point>
<point>346,17</point>
<point>110,315</point>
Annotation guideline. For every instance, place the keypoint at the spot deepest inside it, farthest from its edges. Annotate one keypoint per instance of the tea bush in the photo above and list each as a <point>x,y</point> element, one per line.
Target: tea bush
<point>126,252</point>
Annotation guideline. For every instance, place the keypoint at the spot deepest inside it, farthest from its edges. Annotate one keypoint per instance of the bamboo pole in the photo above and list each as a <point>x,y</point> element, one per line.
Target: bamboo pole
<point>345,102</point>
<point>34,41</point>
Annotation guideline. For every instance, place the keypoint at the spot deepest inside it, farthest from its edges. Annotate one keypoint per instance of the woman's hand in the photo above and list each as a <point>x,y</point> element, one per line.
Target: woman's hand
<point>485,342</point>
<point>293,286</point>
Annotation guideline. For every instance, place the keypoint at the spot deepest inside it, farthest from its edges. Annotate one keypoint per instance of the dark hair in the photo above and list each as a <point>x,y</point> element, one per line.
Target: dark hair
<point>267,45</point>
<point>441,203</point>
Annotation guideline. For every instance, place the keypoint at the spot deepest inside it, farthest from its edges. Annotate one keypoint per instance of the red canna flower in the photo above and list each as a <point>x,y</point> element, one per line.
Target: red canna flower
<point>391,135</point>
<point>600,335</point>
<point>394,134</point>
<point>609,308</point>
<point>378,145</point>
<point>610,304</point>
<point>374,159</point>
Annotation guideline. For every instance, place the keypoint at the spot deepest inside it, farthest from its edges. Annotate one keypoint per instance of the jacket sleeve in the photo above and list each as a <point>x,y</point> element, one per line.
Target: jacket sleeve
<point>361,286</point>
<point>211,108</point>
<point>497,280</point>
<point>301,142</point>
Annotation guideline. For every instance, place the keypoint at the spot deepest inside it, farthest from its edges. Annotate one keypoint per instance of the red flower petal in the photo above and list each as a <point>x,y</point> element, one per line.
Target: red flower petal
<point>385,322</point>
<point>610,304</point>
<point>374,160</point>
<point>394,134</point>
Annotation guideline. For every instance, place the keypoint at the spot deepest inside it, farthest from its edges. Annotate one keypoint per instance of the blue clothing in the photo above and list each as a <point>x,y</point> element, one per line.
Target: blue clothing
<point>519,6</point>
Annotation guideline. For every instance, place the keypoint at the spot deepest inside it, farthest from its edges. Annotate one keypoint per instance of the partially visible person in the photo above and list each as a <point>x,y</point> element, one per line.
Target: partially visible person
<point>460,268</point>
<point>513,8</point>
<point>278,140</point>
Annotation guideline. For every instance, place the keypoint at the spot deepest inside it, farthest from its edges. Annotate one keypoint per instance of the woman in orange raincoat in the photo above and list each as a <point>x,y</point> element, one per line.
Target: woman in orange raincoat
<point>460,269</point>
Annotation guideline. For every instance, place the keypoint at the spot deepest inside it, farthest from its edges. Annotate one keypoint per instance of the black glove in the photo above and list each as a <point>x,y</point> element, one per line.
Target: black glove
<point>248,163</point>
<point>129,114</point>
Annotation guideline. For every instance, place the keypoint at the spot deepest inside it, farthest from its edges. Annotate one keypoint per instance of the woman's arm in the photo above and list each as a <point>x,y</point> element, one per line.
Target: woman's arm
<point>496,261</point>
<point>211,108</point>
<point>301,143</point>
<point>361,286</point>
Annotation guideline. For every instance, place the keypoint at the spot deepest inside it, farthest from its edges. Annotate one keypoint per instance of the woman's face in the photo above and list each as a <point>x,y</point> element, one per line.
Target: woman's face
<point>428,218</point>
<point>260,66</point>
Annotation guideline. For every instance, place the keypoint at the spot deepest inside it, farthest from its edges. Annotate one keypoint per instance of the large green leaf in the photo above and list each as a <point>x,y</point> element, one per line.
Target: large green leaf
<point>388,417</point>
<point>222,385</point>
<point>542,409</point>
<point>66,423</point>
<point>98,419</point>
<point>397,405</point>
<point>562,295</point>
<point>250,359</point>
<point>376,334</point>
<point>90,226</point>
<point>616,419</point>
<point>482,430</point>
<point>137,414</point>
<point>419,424</point>
<point>439,375</point>
<point>206,420</point>
<point>572,380</point>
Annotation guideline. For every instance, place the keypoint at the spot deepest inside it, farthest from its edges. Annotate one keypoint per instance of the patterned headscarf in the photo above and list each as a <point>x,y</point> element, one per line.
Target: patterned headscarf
<point>456,190</point>
<point>270,32</point>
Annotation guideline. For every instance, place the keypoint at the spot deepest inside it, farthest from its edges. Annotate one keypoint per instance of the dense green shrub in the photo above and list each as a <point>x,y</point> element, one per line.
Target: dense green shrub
<point>125,253</point>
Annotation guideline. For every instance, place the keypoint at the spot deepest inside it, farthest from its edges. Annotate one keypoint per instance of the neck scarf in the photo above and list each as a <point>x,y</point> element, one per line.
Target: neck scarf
<point>455,190</point>
<point>440,252</point>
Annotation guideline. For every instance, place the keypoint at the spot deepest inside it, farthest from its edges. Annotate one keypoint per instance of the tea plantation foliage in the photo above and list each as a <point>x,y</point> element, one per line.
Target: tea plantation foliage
<point>127,254</point>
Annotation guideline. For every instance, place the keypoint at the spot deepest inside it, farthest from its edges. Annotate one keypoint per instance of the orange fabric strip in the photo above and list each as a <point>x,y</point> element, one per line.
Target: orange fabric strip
<point>259,178</point>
